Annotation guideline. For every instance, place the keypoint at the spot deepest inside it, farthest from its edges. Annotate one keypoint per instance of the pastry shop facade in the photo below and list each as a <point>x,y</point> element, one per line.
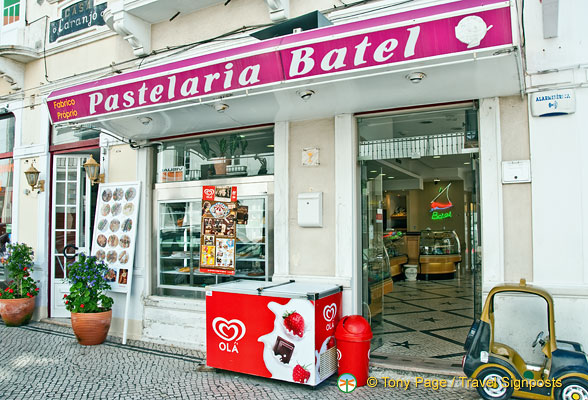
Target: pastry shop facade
<point>296,124</point>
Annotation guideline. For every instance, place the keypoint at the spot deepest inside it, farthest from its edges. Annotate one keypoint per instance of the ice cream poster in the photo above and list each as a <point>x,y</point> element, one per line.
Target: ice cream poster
<point>219,226</point>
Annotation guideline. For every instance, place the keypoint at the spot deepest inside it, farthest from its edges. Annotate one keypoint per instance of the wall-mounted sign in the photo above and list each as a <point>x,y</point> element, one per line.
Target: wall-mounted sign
<point>441,205</point>
<point>172,174</point>
<point>557,102</point>
<point>219,229</point>
<point>354,48</point>
<point>78,16</point>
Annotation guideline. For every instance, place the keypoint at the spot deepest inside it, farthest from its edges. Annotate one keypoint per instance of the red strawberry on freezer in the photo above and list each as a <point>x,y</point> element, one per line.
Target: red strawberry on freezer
<point>294,323</point>
<point>300,374</point>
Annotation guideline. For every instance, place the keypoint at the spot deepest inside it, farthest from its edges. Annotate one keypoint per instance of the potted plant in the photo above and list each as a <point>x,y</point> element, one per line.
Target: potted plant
<point>17,298</point>
<point>223,149</point>
<point>91,309</point>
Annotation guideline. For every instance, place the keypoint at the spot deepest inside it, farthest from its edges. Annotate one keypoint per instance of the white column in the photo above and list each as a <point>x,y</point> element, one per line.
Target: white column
<point>281,200</point>
<point>491,194</point>
<point>347,251</point>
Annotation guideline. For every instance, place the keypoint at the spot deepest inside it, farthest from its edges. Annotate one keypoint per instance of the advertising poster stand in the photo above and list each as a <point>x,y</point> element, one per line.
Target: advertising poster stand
<point>282,331</point>
<point>115,236</point>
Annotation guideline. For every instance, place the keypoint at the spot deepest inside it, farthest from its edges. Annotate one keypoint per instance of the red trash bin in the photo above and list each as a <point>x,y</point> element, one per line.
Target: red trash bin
<point>353,337</point>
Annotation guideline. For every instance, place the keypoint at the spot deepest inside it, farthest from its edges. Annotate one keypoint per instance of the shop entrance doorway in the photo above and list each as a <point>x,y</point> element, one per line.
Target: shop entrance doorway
<point>420,229</point>
<point>73,201</point>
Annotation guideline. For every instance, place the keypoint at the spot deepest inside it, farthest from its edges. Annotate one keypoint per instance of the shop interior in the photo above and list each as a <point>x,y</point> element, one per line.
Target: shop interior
<point>420,230</point>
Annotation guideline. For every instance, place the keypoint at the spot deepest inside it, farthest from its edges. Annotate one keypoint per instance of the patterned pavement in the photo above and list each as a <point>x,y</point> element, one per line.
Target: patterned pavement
<point>426,319</point>
<point>42,361</point>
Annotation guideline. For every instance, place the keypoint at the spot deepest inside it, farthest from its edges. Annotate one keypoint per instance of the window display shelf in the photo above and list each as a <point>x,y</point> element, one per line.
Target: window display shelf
<point>179,246</point>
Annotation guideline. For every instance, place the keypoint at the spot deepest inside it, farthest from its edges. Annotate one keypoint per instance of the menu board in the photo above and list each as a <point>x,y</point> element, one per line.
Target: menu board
<point>115,231</point>
<point>219,230</point>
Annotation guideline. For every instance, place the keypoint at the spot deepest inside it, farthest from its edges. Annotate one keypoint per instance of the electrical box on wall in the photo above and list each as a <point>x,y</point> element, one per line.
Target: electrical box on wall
<point>310,210</point>
<point>516,171</point>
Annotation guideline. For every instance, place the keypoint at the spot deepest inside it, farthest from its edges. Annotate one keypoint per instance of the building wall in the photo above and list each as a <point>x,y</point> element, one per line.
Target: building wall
<point>310,252</point>
<point>518,227</point>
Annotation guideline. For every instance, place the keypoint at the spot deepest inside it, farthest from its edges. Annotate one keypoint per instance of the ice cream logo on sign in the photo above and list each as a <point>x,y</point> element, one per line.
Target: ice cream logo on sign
<point>471,30</point>
<point>208,193</point>
<point>338,355</point>
<point>229,331</point>
<point>329,313</point>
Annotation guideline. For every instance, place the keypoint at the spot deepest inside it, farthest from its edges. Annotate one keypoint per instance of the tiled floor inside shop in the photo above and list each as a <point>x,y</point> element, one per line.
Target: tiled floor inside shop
<point>426,318</point>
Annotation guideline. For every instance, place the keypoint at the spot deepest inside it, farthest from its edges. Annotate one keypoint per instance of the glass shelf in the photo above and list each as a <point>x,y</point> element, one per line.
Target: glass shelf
<point>184,242</point>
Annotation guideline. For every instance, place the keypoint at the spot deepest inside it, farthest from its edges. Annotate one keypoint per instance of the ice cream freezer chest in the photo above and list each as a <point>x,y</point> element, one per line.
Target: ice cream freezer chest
<point>283,331</point>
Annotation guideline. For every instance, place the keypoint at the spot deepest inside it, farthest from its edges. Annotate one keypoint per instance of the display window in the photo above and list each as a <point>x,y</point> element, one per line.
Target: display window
<point>222,155</point>
<point>6,177</point>
<point>189,245</point>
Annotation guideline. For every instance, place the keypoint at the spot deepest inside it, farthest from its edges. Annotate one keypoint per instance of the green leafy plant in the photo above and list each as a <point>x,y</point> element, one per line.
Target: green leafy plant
<point>87,277</point>
<point>223,146</point>
<point>19,266</point>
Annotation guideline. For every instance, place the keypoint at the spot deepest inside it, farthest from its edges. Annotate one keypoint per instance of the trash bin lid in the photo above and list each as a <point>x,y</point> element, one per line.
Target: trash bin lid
<point>354,328</point>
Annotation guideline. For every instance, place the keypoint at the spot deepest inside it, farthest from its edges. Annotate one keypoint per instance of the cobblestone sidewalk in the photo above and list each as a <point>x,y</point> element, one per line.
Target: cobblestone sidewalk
<point>43,361</point>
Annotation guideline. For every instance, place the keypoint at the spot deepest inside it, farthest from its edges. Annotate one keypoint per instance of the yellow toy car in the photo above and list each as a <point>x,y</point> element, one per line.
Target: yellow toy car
<point>499,372</point>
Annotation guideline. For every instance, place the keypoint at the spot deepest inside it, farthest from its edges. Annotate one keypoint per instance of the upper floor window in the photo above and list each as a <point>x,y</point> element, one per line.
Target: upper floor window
<point>11,11</point>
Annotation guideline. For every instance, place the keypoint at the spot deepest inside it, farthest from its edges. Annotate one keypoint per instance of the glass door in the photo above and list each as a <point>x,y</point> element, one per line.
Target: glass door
<point>71,221</point>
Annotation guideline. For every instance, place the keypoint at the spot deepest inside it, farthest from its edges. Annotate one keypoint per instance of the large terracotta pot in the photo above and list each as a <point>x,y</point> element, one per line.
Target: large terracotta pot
<point>220,166</point>
<point>17,312</point>
<point>91,328</point>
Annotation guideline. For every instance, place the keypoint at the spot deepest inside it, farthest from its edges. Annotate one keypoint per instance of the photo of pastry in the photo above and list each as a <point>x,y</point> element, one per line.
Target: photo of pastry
<point>123,258</point>
<point>105,210</point>
<point>102,225</point>
<point>228,226</point>
<point>128,209</point>
<point>218,227</point>
<point>110,275</point>
<point>117,195</point>
<point>114,225</point>
<point>225,252</point>
<point>113,241</point>
<point>106,195</point>
<point>219,210</point>
<point>222,193</point>
<point>122,278</point>
<point>111,256</point>
<point>100,255</point>
<point>206,208</point>
<point>127,225</point>
<point>130,194</point>
<point>116,209</point>
<point>208,227</point>
<point>207,256</point>
<point>125,241</point>
<point>101,240</point>
<point>242,215</point>
<point>208,240</point>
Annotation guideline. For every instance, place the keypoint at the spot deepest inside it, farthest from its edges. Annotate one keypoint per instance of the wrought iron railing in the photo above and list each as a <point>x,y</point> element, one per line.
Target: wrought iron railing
<point>413,147</point>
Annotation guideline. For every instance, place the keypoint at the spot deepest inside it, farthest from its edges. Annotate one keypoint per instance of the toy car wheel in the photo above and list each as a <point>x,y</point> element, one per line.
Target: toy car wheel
<point>492,384</point>
<point>572,389</point>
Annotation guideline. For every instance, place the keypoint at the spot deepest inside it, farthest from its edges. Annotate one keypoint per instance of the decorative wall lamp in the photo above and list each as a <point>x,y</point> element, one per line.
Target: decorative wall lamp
<point>93,171</point>
<point>32,175</point>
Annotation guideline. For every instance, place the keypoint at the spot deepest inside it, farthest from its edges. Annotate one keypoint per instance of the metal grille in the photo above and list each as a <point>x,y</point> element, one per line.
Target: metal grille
<point>328,363</point>
<point>412,147</point>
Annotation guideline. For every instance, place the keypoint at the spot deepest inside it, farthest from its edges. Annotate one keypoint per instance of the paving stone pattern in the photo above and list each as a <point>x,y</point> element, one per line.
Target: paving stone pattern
<point>43,361</point>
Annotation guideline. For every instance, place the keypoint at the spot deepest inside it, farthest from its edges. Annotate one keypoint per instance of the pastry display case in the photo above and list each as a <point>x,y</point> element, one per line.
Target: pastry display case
<point>440,251</point>
<point>395,243</point>
<point>178,239</point>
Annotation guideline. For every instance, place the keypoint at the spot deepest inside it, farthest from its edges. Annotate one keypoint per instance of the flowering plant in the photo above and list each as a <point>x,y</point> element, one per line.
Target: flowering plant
<point>18,266</point>
<point>88,283</point>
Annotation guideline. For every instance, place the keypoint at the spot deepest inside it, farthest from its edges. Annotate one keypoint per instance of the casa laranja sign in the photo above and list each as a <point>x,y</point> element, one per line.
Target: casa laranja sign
<point>447,29</point>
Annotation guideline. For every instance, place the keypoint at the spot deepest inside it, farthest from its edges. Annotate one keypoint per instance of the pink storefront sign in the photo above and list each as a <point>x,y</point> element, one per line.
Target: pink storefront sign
<point>283,60</point>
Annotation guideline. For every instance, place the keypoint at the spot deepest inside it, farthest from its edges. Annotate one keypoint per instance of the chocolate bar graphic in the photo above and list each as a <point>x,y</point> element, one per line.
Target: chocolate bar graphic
<point>283,349</point>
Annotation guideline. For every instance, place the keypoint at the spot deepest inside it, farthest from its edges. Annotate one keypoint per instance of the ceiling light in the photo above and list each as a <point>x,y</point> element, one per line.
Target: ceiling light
<point>416,77</point>
<point>436,180</point>
<point>270,146</point>
<point>436,156</point>
<point>390,177</point>
<point>383,174</point>
<point>145,120</point>
<point>373,171</point>
<point>466,163</point>
<point>305,94</point>
<point>220,107</point>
